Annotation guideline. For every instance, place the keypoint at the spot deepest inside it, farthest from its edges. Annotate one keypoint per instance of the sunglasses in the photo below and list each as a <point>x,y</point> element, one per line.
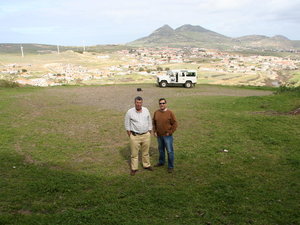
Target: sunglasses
<point>162,103</point>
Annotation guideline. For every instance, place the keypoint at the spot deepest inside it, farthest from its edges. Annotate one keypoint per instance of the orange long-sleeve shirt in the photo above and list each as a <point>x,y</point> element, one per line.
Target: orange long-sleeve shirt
<point>164,122</point>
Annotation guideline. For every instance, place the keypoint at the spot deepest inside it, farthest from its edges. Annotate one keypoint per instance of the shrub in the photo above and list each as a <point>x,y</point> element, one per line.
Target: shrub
<point>285,88</point>
<point>159,68</point>
<point>8,84</point>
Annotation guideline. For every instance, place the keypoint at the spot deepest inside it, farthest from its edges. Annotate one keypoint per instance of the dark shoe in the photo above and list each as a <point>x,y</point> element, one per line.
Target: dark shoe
<point>148,168</point>
<point>170,170</point>
<point>158,165</point>
<point>132,172</point>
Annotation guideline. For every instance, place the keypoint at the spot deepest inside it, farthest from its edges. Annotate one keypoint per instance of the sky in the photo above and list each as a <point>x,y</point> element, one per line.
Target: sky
<point>93,22</point>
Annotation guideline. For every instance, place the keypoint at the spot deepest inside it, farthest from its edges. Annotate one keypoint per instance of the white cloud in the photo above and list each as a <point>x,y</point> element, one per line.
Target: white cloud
<point>102,21</point>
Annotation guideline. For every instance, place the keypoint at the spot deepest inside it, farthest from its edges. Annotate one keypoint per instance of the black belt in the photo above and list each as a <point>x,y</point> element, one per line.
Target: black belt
<point>135,133</point>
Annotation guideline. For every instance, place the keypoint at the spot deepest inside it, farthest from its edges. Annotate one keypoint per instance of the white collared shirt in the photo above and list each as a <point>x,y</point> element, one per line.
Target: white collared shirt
<point>139,122</point>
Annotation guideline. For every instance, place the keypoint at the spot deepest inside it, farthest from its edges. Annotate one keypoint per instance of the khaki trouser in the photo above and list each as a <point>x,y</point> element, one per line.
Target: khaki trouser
<point>140,142</point>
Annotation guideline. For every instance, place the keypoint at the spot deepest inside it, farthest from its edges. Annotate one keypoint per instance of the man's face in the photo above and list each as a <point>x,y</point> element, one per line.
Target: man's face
<point>162,105</point>
<point>138,104</point>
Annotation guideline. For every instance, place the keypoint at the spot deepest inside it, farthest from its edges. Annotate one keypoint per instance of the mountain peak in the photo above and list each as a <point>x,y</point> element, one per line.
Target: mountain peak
<point>164,30</point>
<point>191,28</point>
<point>191,35</point>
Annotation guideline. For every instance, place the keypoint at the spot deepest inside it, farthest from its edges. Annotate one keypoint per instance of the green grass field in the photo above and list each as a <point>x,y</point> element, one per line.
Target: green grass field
<point>64,157</point>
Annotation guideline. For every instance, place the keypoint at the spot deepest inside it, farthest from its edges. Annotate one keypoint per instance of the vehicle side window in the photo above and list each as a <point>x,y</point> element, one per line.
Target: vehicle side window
<point>191,74</point>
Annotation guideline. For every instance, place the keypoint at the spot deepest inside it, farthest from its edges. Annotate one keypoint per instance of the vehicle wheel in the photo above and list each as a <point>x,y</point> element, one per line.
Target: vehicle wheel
<point>163,84</point>
<point>188,84</point>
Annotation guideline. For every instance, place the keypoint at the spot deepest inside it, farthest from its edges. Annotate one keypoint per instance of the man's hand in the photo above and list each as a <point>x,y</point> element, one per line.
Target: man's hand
<point>155,134</point>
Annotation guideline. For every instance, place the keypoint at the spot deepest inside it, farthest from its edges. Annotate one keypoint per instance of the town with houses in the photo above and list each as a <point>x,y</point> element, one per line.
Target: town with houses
<point>212,65</point>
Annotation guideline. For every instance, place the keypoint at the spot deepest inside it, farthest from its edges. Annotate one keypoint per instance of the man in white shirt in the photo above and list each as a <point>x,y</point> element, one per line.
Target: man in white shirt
<point>138,124</point>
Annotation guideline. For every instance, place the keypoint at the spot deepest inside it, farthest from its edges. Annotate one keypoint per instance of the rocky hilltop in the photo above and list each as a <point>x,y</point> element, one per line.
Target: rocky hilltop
<point>197,36</point>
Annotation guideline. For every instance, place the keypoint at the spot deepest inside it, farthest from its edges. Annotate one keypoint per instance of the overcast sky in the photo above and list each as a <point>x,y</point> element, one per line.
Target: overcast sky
<point>91,22</point>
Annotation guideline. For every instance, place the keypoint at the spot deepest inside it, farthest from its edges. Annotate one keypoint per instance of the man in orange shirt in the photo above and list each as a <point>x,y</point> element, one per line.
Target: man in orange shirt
<point>164,125</point>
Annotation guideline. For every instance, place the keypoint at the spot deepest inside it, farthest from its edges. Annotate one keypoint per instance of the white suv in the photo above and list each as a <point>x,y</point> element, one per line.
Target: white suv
<point>187,78</point>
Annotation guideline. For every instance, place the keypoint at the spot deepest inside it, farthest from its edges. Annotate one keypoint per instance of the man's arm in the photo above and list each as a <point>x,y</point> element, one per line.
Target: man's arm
<point>127,123</point>
<point>173,121</point>
<point>154,125</point>
<point>149,122</point>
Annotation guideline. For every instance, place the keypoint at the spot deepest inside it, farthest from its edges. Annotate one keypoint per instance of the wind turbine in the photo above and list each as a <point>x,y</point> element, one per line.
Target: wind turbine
<point>22,51</point>
<point>83,46</point>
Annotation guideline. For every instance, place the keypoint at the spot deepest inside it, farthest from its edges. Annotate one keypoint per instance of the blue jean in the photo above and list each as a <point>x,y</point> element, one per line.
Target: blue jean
<point>166,143</point>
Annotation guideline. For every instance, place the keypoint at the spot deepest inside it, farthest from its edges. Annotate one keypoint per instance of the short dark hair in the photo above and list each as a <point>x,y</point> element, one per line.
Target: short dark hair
<point>138,98</point>
<point>162,99</point>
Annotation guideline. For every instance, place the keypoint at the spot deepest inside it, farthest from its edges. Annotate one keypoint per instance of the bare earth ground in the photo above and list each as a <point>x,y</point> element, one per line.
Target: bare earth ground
<point>121,97</point>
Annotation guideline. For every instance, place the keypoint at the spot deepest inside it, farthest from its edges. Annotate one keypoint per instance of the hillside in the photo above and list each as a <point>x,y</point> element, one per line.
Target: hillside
<point>31,48</point>
<point>197,36</point>
<point>260,41</point>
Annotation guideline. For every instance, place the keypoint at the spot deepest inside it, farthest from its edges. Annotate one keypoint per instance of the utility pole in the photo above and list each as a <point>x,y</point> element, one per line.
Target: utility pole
<point>57,49</point>
<point>22,51</point>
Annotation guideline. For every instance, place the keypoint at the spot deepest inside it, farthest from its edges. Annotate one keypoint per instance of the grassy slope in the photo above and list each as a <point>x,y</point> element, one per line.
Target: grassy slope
<point>67,164</point>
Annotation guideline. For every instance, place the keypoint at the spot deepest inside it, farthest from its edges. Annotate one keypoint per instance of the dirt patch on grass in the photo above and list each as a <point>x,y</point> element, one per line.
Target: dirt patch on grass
<point>24,212</point>
<point>275,113</point>
<point>121,97</point>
